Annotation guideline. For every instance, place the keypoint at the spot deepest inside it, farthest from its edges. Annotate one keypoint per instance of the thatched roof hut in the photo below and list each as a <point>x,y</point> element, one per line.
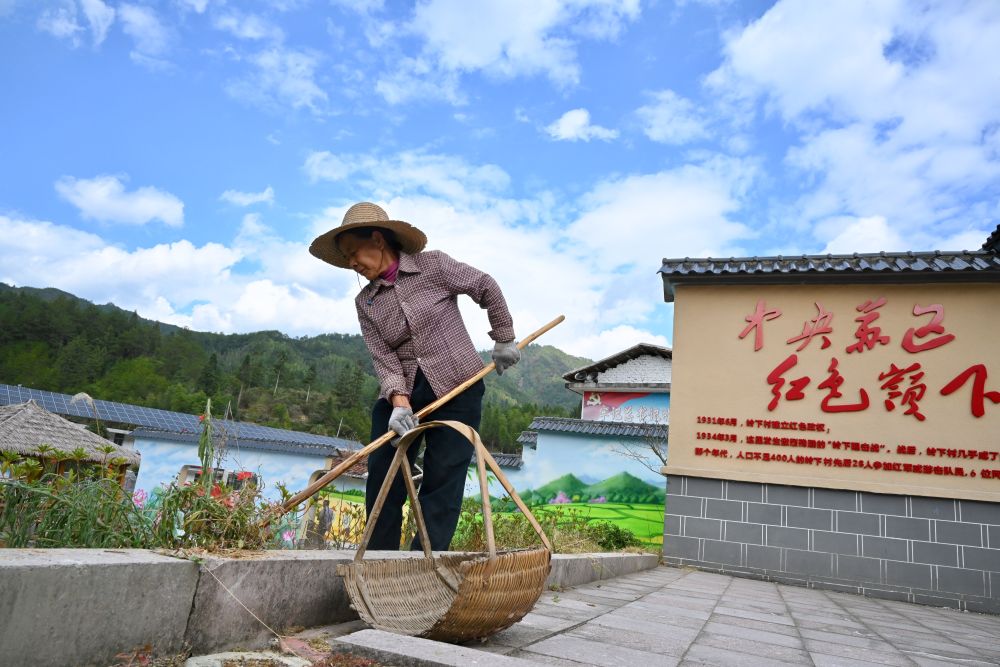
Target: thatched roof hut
<point>26,426</point>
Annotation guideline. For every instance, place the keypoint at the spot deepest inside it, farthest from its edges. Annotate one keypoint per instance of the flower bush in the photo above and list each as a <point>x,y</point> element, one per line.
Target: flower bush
<point>561,498</point>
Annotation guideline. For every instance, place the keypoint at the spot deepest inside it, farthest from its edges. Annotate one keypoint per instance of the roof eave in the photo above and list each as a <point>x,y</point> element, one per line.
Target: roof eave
<point>619,358</point>
<point>672,281</point>
<point>648,387</point>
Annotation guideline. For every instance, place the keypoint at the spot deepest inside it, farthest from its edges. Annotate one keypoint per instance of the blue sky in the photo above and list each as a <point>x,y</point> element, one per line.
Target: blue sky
<point>177,157</point>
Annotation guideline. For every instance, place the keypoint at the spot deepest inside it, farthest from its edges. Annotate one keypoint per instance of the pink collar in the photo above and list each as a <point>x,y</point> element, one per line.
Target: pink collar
<point>389,275</point>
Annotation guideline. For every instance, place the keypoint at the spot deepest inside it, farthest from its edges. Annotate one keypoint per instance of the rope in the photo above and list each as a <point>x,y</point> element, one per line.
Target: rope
<point>270,629</point>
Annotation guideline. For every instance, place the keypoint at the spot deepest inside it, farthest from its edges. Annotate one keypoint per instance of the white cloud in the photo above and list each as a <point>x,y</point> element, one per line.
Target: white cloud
<point>618,338</point>
<point>184,284</point>
<point>688,211</point>
<point>574,125</point>
<point>283,77</point>
<point>248,26</point>
<point>846,235</point>
<point>61,22</point>
<point>104,199</point>
<point>100,17</point>
<point>861,235</point>
<point>892,108</point>
<point>144,27</point>
<point>416,79</point>
<point>325,166</point>
<point>501,38</point>
<point>248,198</point>
<point>36,242</point>
<point>598,270</point>
<point>671,119</point>
<point>505,38</point>
<point>417,172</point>
<point>84,264</point>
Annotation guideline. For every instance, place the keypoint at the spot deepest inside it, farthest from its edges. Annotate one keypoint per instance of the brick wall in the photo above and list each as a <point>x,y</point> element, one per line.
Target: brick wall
<point>930,550</point>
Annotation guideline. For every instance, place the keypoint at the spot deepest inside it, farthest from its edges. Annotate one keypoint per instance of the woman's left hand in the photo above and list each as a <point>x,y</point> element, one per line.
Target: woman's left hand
<point>505,355</point>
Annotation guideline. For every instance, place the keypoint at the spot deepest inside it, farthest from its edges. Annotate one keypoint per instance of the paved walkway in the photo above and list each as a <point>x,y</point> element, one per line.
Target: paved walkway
<point>670,616</point>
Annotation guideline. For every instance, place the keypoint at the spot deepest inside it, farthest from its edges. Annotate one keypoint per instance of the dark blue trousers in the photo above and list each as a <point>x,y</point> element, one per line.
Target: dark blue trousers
<point>447,456</point>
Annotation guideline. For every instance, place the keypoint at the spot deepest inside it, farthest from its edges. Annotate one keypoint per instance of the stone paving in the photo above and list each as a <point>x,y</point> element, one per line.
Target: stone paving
<point>669,616</point>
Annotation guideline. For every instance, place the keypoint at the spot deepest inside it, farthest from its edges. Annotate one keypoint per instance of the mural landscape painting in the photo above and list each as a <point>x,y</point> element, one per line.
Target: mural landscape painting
<point>622,499</point>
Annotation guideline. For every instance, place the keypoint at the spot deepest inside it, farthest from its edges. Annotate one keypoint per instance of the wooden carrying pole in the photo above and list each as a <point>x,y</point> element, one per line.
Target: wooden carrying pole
<point>337,471</point>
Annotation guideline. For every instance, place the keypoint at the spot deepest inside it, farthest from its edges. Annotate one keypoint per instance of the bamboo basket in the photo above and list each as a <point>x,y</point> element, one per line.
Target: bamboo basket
<point>448,597</point>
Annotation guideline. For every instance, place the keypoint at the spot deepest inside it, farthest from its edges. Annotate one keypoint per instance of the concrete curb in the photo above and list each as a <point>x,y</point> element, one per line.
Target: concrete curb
<point>570,570</point>
<point>85,606</point>
<point>401,651</point>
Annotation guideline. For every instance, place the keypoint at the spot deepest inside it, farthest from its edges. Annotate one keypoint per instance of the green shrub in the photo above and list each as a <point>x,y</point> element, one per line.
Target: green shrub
<point>569,531</point>
<point>611,536</point>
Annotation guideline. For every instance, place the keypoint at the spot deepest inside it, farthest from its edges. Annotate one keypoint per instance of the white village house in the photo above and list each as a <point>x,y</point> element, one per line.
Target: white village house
<point>168,445</point>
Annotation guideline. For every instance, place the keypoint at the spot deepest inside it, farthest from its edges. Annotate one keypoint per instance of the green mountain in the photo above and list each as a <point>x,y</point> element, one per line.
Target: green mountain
<point>325,384</point>
<point>568,484</point>
<point>621,485</point>
<point>620,488</point>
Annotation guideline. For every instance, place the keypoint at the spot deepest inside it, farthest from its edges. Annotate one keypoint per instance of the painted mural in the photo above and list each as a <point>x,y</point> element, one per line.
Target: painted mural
<point>622,406</point>
<point>162,461</point>
<point>593,476</point>
<point>604,485</point>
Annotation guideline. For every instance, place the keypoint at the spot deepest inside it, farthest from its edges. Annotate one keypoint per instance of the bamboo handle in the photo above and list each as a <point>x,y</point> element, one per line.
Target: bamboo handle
<point>502,478</point>
<point>484,489</point>
<point>338,470</point>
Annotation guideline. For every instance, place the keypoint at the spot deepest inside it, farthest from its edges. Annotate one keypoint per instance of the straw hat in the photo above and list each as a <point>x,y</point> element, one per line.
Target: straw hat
<point>366,214</point>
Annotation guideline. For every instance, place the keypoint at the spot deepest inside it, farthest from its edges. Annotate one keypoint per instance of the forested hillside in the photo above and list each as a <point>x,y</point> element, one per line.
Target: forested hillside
<point>325,384</point>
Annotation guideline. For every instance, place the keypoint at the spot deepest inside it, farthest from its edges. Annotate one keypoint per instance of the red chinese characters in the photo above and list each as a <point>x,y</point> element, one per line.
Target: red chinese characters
<point>817,326</point>
<point>892,378</point>
<point>904,385</point>
<point>868,336</point>
<point>979,393</point>
<point>932,327</point>
<point>774,378</point>
<point>756,321</point>
<point>833,383</point>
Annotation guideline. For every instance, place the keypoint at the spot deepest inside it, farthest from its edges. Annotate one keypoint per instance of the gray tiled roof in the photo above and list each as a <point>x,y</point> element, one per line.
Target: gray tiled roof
<point>937,266</point>
<point>183,426</point>
<point>640,350</point>
<point>528,438</point>
<point>993,241</point>
<point>508,460</point>
<point>232,440</point>
<point>587,427</point>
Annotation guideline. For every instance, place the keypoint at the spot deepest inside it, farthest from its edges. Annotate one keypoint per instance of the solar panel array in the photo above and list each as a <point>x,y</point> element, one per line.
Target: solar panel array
<point>162,420</point>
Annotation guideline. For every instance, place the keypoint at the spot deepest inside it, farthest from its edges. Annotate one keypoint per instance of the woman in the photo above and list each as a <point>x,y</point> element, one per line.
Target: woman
<point>421,350</point>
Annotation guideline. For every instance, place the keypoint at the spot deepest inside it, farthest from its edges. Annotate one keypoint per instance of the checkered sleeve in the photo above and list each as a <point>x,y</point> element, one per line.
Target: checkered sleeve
<point>387,364</point>
<point>484,290</point>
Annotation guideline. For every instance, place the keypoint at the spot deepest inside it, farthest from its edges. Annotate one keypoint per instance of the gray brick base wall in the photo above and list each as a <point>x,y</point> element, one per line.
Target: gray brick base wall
<point>931,550</point>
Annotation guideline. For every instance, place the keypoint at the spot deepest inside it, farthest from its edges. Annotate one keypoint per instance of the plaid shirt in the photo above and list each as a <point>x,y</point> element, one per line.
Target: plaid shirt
<point>415,322</point>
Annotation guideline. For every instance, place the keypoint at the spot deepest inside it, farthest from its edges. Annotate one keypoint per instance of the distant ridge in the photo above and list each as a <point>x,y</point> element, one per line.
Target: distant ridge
<point>55,341</point>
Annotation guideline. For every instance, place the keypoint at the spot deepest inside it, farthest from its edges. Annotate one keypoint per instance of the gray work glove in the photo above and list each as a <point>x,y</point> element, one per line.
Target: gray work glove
<point>505,355</point>
<point>402,420</point>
